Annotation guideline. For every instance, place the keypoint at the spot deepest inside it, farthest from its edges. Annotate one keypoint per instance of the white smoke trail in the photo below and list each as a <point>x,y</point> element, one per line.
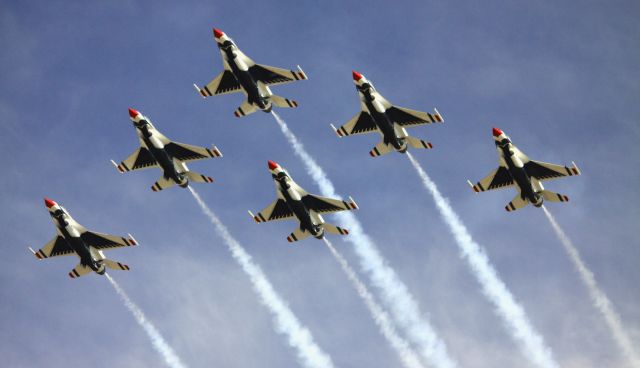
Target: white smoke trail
<point>394,293</point>
<point>407,355</point>
<point>157,340</point>
<point>598,297</point>
<point>512,313</point>
<point>309,353</point>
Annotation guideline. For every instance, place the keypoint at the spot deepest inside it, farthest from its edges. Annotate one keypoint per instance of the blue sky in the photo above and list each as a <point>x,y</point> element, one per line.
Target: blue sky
<point>559,77</point>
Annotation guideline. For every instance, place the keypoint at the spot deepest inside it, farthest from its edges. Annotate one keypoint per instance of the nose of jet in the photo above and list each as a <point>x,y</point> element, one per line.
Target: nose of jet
<point>497,132</point>
<point>49,203</point>
<point>356,76</point>
<point>133,113</point>
<point>217,33</point>
<point>272,165</point>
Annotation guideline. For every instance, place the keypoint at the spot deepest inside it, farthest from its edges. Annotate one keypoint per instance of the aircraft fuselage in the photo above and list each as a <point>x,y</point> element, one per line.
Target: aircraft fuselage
<point>242,74</point>
<point>384,124</point>
<point>156,148</point>
<point>518,173</point>
<point>294,201</point>
<point>72,236</point>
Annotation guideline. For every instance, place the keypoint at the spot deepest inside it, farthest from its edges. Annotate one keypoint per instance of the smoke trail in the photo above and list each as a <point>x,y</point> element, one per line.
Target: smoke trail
<point>394,293</point>
<point>157,340</point>
<point>598,297</point>
<point>407,355</point>
<point>506,307</point>
<point>309,354</point>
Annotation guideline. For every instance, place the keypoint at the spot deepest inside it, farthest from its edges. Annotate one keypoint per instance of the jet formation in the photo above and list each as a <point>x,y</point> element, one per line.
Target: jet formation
<point>379,115</point>
<point>73,238</point>
<point>294,202</point>
<point>516,169</point>
<point>241,74</point>
<point>156,150</point>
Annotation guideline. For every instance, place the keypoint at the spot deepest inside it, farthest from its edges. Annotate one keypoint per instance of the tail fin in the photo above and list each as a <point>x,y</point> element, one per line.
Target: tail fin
<point>381,149</point>
<point>333,229</point>
<point>162,183</point>
<point>198,178</point>
<point>115,265</point>
<point>298,234</point>
<point>283,102</point>
<point>517,203</point>
<point>245,109</point>
<point>418,143</point>
<point>79,270</point>
<point>554,197</point>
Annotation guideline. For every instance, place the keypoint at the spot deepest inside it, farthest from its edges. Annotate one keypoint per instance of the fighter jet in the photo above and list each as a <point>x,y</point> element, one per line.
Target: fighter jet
<point>73,238</point>
<point>158,150</point>
<point>243,74</point>
<point>390,121</point>
<point>517,169</point>
<point>293,201</point>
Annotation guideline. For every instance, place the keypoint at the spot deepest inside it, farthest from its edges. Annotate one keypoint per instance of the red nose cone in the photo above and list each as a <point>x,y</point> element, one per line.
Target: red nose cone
<point>49,203</point>
<point>217,33</point>
<point>272,165</point>
<point>356,76</point>
<point>497,132</point>
<point>133,113</point>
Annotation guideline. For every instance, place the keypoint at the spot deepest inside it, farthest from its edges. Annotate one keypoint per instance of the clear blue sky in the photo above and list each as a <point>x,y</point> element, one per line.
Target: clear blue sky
<point>561,78</point>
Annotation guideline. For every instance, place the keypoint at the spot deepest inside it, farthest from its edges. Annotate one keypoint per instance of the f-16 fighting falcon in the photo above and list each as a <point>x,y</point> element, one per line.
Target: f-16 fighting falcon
<point>157,150</point>
<point>293,201</point>
<point>73,238</point>
<point>243,74</point>
<point>390,121</point>
<point>517,169</point>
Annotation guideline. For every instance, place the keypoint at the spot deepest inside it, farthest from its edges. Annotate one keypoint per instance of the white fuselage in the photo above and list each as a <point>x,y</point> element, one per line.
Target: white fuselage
<point>514,160</point>
<point>71,231</point>
<point>258,94</point>
<point>289,191</point>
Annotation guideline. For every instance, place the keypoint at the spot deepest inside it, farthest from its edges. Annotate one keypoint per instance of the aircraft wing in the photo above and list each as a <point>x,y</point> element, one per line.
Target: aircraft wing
<point>327,205</point>
<point>499,178</point>
<point>54,248</point>
<point>105,241</point>
<point>271,76</point>
<point>277,210</point>
<point>224,83</point>
<point>140,159</point>
<point>362,123</point>
<point>546,171</point>
<point>407,117</point>
<point>186,152</point>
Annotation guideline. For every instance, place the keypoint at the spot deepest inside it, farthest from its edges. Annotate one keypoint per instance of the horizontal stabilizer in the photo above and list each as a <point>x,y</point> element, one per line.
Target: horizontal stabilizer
<point>115,265</point>
<point>199,178</point>
<point>298,234</point>
<point>554,197</point>
<point>517,203</point>
<point>245,109</point>
<point>418,143</point>
<point>283,102</point>
<point>162,183</point>
<point>79,270</point>
<point>380,149</point>
<point>335,229</point>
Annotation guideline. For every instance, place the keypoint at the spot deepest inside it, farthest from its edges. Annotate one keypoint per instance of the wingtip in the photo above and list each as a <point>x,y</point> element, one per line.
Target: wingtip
<point>302,74</point>
<point>216,151</point>
<point>575,168</point>
<point>335,130</point>
<point>438,116</point>
<point>133,240</point>
<point>473,187</point>
<point>118,167</point>
<point>353,203</point>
